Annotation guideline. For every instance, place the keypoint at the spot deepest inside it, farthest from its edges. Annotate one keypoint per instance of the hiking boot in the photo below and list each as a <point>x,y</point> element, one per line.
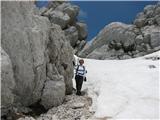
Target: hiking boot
<point>78,93</point>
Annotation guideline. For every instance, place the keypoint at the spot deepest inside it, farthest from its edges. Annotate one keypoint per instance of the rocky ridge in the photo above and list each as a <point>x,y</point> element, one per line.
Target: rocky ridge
<point>121,41</point>
<point>65,14</point>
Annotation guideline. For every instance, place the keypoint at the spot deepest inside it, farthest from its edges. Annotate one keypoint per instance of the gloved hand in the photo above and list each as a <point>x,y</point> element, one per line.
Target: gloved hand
<point>85,79</point>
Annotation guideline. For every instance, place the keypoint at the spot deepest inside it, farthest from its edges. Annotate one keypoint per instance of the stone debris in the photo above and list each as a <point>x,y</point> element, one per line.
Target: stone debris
<point>74,108</point>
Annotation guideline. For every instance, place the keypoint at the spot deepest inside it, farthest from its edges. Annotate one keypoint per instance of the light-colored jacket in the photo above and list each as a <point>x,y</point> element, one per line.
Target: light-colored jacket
<point>80,70</point>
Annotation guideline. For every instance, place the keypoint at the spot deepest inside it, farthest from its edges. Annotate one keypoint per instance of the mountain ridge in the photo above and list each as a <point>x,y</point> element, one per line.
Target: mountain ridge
<point>123,41</point>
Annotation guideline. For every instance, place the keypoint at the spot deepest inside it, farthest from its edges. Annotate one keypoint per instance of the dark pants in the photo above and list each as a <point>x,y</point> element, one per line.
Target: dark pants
<point>79,82</point>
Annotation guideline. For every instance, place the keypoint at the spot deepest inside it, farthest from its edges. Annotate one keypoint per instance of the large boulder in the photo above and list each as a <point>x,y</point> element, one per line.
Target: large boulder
<point>139,22</point>
<point>116,35</point>
<point>155,39</point>
<point>32,43</point>
<point>61,55</point>
<point>139,39</point>
<point>153,33</point>
<point>157,19</point>
<point>149,10</point>
<point>7,83</point>
<point>25,44</point>
<point>72,35</point>
<point>50,98</point>
<point>71,10</point>
<point>82,30</point>
<point>60,18</point>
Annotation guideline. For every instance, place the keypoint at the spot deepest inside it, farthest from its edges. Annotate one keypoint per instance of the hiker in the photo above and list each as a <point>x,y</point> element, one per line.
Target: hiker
<point>80,76</point>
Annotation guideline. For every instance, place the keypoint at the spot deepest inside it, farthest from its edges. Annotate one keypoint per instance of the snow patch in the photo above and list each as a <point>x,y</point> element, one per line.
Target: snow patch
<point>124,89</point>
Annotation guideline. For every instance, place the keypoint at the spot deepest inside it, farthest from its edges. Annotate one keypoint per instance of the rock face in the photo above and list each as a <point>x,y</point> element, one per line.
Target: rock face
<point>121,41</point>
<point>38,67</point>
<point>7,82</point>
<point>64,14</point>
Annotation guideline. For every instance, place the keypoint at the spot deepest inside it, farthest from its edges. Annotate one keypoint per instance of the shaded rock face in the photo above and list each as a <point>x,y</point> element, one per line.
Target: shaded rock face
<point>40,66</point>
<point>65,14</point>
<point>7,82</point>
<point>121,41</point>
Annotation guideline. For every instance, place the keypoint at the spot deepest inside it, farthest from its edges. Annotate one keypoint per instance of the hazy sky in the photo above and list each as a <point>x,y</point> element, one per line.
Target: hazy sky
<point>97,14</point>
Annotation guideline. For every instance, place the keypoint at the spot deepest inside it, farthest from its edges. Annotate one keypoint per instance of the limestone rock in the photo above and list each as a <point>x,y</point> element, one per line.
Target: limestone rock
<point>69,9</point>
<point>48,117</point>
<point>61,55</point>
<point>53,93</point>
<point>139,39</point>
<point>115,35</point>
<point>58,17</point>
<point>155,39</point>
<point>7,83</point>
<point>139,22</point>
<point>157,9</point>
<point>140,48</point>
<point>62,6</point>
<point>34,44</point>
<point>82,30</point>
<point>65,14</point>
<point>126,57</point>
<point>157,19</point>
<point>26,118</point>
<point>72,11</point>
<point>147,38</point>
<point>79,46</point>
<point>73,108</point>
<point>153,35</point>
<point>149,10</point>
<point>78,105</point>
<point>72,35</point>
<point>141,36</point>
<point>105,53</point>
<point>25,44</point>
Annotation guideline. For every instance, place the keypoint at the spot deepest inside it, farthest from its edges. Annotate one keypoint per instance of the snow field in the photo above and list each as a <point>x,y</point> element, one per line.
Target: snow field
<point>124,89</point>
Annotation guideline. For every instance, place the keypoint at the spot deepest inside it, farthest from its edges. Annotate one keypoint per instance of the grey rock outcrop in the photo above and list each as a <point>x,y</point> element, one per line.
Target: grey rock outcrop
<point>65,14</point>
<point>41,58</point>
<point>58,17</point>
<point>7,83</point>
<point>72,35</point>
<point>82,30</point>
<point>71,10</point>
<point>50,98</point>
<point>121,41</point>
<point>155,39</point>
<point>61,55</point>
<point>151,35</point>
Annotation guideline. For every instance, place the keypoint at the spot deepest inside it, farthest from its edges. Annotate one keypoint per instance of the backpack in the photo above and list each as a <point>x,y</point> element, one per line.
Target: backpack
<point>78,68</point>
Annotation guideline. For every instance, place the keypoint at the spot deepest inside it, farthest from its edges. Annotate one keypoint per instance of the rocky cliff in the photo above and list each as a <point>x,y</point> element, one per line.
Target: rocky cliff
<point>65,14</point>
<point>121,41</point>
<point>36,58</point>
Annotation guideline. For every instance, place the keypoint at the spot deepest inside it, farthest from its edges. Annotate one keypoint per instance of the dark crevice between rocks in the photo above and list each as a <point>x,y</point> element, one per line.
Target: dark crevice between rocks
<point>4,117</point>
<point>34,110</point>
<point>37,109</point>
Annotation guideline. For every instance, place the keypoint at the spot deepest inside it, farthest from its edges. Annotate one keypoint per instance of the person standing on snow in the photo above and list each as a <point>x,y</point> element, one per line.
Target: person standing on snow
<point>80,76</point>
